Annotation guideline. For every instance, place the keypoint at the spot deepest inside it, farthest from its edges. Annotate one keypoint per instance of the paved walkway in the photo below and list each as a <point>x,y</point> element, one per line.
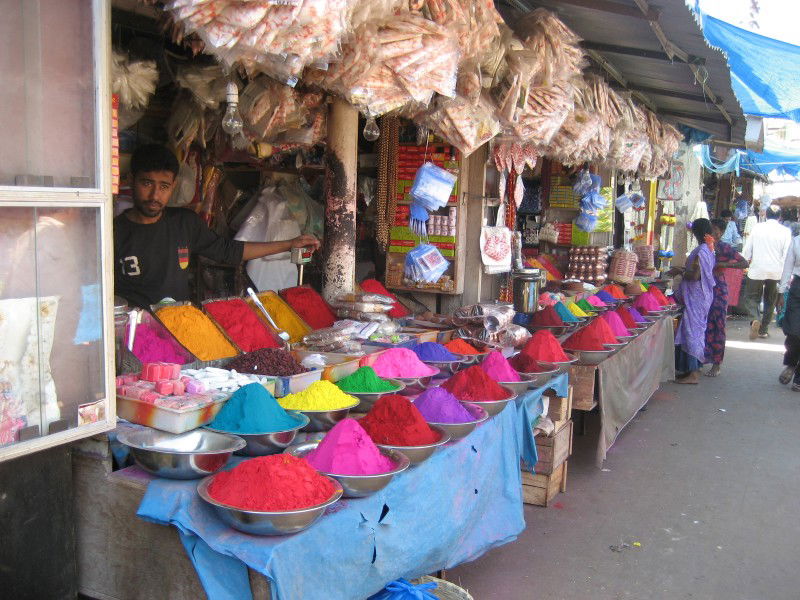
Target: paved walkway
<point>706,479</point>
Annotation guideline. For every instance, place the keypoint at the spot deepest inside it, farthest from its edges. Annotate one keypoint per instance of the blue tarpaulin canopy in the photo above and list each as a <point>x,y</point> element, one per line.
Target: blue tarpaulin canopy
<point>764,71</point>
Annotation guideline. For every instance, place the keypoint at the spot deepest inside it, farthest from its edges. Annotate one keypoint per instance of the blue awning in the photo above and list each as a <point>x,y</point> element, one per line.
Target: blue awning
<point>764,72</point>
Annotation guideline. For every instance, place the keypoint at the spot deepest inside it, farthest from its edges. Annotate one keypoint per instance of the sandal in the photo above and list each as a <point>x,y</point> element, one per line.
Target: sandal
<point>786,375</point>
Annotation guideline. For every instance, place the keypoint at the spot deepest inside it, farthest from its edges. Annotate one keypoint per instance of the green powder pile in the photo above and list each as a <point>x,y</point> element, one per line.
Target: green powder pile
<point>365,381</point>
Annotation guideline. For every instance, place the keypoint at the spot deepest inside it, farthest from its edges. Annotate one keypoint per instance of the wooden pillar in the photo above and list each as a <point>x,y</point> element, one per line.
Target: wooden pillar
<point>341,159</point>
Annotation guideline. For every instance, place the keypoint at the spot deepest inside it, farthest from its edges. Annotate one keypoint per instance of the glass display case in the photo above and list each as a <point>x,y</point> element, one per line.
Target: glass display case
<point>56,298</point>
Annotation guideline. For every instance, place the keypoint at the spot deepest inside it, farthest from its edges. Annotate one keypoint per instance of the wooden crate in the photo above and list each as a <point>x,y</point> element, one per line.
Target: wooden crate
<point>560,409</point>
<point>583,383</point>
<point>553,450</point>
<point>539,490</point>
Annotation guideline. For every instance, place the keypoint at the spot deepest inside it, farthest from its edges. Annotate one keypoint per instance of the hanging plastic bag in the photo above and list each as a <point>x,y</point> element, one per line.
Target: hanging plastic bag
<point>432,186</point>
<point>496,249</point>
<point>425,264</point>
<point>583,185</point>
<point>623,203</point>
<point>586,222</point>
<point>637,200</point>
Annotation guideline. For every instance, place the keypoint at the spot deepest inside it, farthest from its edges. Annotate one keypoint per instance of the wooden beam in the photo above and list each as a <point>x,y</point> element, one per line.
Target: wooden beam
<point>619,78</point>
<point>693,116</point>
<point>638,52</point>
<point>669,93</point>
<point>607,6</point>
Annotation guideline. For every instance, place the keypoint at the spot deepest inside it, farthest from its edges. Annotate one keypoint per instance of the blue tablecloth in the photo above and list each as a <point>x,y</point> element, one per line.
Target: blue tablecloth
<point>530,408</point>
<point>463,501</point>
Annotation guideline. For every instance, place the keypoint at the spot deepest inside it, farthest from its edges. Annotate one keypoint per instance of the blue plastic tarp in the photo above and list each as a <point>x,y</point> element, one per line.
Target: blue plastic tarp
<point>764,73</point>
<point>461,502</point>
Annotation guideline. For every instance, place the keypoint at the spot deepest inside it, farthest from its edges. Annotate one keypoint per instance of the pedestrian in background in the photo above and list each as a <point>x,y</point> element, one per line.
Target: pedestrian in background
<point>790,323</point>
<point>765,250</point>
<point>730,234</point>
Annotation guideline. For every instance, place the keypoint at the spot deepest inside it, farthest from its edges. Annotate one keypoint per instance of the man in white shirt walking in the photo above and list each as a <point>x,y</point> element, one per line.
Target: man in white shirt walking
<point>766,249</point>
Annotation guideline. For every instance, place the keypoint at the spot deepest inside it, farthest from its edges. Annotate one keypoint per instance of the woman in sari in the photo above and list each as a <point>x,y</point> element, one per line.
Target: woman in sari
<point>696,293</point>
<point>726,258</point>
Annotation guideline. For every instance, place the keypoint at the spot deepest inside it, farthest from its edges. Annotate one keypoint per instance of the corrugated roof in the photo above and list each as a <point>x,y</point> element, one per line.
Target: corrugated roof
<point>620,34</point>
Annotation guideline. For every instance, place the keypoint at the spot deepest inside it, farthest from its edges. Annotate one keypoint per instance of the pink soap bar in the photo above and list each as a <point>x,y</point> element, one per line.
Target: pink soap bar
<point>164,387</point>
<point>122,390</point>
<point>150,372</point>
<point>135,392</point>
<point>150,397</point>
<point>174,371</point>
<point>185,379</point>
<point>178,387</point>
<point>130,379</point>
<point>195,387</point>
<point>120,380</point>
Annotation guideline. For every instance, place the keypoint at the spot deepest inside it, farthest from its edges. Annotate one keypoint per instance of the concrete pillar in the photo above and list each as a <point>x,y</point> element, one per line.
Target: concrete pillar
<point>341,161</point>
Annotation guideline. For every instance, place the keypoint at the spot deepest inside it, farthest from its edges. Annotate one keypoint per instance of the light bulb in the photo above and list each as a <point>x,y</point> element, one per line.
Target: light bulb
<point>232,122</point>
<point>371,130</point>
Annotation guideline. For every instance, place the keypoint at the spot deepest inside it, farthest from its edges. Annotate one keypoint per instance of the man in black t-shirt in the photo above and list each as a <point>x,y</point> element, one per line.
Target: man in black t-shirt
<point>153,243</point>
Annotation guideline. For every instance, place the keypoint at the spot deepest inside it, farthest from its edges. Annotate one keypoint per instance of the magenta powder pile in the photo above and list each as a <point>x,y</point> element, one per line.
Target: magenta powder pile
<point>438,405</point>
<point>401,362</point>
<point>647,303</point>
<point>348,450</point>
<point>152,344</point>
<point>615,322</point>
<point>498,368</point>
<point>595,301</point>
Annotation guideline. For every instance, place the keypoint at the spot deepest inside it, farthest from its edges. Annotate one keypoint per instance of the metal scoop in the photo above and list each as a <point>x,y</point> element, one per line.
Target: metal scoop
<point>257,301</point>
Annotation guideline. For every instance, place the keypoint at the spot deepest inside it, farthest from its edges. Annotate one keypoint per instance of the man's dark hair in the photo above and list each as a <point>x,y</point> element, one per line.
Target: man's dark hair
<point>153,157</point>
<point>719,224</point>
<point>725,214</point>
<point>773,212</point>
<point>701,228</point>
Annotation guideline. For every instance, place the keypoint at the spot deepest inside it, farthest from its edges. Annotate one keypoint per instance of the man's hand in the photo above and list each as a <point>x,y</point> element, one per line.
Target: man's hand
<point>676,271</point>
<point>305,241</point>
<point>779,302</point>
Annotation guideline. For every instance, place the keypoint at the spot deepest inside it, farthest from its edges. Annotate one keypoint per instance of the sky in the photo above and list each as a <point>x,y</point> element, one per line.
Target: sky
<point>779,19</point>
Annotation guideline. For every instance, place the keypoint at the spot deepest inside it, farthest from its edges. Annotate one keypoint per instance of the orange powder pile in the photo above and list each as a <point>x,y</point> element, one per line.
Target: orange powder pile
<point>616,291</point>
<point>196,332</point>
<point>461,347</point>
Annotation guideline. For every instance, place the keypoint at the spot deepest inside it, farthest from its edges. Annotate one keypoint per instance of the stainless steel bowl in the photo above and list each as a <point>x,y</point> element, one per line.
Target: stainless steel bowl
<point>324,420</point>
<point>262,444</point>
<point>415,385</point>
<point>592,357</point>
<point>267,523</point>
<point>615,347</point>
<point>189,455</point>
<point>449,367</point>
<point>638,330</point>
<point>626,338</point>
<point>530,380</point>
<point>366,400</point>
<point>359,486</point>
<point>418,454</point>
<point>456,431</point>
<point>560,366</point>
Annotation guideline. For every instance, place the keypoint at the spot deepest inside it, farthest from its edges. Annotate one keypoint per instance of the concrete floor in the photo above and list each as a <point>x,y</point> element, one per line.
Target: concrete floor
<point>706,479</point>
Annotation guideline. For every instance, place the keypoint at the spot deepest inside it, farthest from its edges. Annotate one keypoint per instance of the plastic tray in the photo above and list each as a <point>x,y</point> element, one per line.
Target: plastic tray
<point>209,363</point>
<point>278,341</point>
<point>272,295</point>
<point>166,419</point>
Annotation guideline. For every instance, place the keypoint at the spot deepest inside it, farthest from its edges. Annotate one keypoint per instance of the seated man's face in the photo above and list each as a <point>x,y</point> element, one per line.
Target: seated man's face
<point>152,191</point>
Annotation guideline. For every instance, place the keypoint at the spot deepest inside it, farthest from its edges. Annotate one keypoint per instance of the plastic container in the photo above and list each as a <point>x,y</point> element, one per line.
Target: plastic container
<point>288,321</point>
<point>167,419</point>
<point>292,384</point>
<point>270,331</point>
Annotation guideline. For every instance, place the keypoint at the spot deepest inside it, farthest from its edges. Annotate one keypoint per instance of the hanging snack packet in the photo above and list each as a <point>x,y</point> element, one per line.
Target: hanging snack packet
<point>425,264</point>
<point>432,186</point>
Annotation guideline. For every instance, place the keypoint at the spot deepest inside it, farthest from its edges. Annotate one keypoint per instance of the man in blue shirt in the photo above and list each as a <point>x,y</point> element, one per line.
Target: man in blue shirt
<point>731,235</point>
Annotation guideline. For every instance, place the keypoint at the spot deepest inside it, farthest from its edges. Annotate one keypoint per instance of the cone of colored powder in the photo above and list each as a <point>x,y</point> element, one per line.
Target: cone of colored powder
<point>401,362</point>
<point>395,421</point>
<point>433,352</point>
<point>196,332</point>
<point>606,297</point>
<point>595,301</point>
<point>525,364</point>
<point>576,310</point>
<point>646,303</point>
<point>591,337</point>
<point>280,482</point>
<point>251,410</point>
<point>461,347</point>
<point>498,368</point>
<point>438,405</point>
<point>348,450</point>
<point>241,324</point>
<point>659,295</point>
<point>543,346</point>
<point>586,306</point>
<point>627,318</point>
<point>546,317</point>
<point>637,316</point>
<point>564,313</point>
<point>474,385</point>
<point>365,381</point>
<point>615,322</point>
<point>320,395</point>
<point>615,291</point>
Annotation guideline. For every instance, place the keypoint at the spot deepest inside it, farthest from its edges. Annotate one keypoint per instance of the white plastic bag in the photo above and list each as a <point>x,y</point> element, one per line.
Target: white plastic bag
<point>496,249</point>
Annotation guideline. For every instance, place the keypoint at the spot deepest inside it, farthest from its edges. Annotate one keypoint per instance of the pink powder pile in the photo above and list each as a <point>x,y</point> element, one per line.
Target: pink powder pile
<point>646,303</point>
<point>497,367</point>
<point>348,450</point>
<point>401,362</point>
<point>615,322</point>
<point>595,301</point>
<point>153,344</point>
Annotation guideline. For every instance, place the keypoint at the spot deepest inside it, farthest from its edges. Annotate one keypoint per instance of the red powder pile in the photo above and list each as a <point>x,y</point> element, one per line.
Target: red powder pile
<point>543,346</point>
<point>591,337</point>
<point>626,317</point>
<point>546,317</point>
<point>525,363</point>
<point>271,483</point>
<point>311,307</point>
<point>659,295</point>
<point>474,385</point>
<point>395,421</point>
<point>646,303</point>
<point>615,291</point>
<point>241,324</point>
<point>373,286</point>
<point>461,347</point>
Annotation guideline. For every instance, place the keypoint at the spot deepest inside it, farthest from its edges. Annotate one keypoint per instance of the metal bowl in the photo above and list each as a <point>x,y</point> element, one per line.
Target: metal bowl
<point>359,486</point>
<point>456,431</point>
<point>449,367</point>
<point>367,400</point>
<point>626,338</point>
<point>268,523</point>
<point>560,366</point>
<point>262,444</point>
<point>592,357</point>
<point>324,420</point>
<point>638,330</point>
<point>415,385</point>
<point>615,347</point>
<point>418,454</point>
<point>556,330</point>
<point>189,455</point>
<point>494,407</point>
<point>530,380</point>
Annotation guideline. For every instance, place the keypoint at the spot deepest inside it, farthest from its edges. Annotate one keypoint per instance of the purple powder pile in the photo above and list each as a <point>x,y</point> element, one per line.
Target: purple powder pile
<point>433,351</point>
<point>637,316</point>
<point>438,405</point>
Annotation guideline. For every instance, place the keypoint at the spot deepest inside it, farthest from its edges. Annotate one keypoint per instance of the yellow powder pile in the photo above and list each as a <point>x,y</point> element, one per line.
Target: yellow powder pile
<point>196,332</point>
<point>284,317</point>
<point>320,395</point>
<point>576,310</point>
